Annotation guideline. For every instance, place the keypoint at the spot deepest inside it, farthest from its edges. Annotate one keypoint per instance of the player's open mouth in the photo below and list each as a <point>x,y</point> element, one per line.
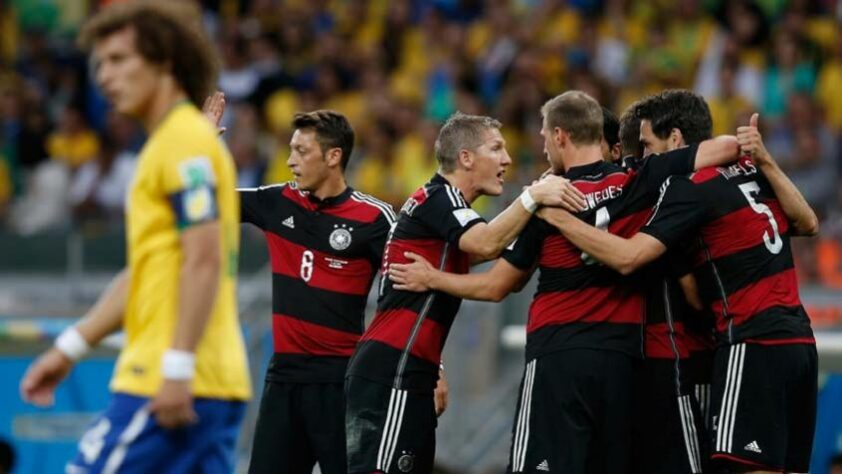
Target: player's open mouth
<point>500,178</point>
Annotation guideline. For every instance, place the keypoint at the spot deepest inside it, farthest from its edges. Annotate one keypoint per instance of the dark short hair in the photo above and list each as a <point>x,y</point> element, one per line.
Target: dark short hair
<point>578,114</point>
<point>610,127</point>
<point>332,131</point>
<point>629,133</point>
<point>461,132</point>
<point>681,109</point>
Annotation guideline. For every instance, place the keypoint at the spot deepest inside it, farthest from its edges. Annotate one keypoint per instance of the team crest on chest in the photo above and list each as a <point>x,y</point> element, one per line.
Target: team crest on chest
<point>340,238</point>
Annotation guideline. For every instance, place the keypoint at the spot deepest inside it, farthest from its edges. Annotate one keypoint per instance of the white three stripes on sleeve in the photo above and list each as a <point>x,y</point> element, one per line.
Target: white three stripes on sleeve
<point>384,208</point>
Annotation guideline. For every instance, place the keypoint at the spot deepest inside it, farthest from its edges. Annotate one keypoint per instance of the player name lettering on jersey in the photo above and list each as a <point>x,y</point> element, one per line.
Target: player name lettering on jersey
<point>740,168</point>
<point>598,197</point>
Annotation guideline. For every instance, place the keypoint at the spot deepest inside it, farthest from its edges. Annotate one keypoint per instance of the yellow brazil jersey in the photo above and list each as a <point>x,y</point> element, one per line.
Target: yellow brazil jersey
<point>185,176</point>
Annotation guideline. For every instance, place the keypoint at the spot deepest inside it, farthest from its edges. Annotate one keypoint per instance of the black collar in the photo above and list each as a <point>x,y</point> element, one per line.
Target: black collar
<point>596,169</point>
<point>332,200</point>
<point>438,179</point>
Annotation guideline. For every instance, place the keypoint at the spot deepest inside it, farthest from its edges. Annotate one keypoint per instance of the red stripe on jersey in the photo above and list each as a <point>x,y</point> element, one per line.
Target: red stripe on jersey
<point>298,197</point>
<point>627,226</point>
<point>393,327</point>
<point>618,179</point>
<point>294,336</point>
<point>782,342</point>
<point>431,250</point>
<point>659,341</point>
<point>742,229</point>
<point>611,304</point>
<point>558,252</point>
<point>696,342</point>
<point>321,270</point>
<point>740,460</point>
<point>780,289</point>
<point>354,210</point>
<point>420,195</point>
<point>350,209</point>
<point>704,174</point>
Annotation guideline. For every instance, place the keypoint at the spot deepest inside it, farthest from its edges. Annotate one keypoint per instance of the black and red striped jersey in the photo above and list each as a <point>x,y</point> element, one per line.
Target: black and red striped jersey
<point>743,262</point>
<point>672,328</point>
<point>402,346</point>
<point>324,255</point>
<point>581,303</point>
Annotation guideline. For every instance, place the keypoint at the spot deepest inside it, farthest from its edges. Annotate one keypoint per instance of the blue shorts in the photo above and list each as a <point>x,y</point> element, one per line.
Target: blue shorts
<point>127,439</point>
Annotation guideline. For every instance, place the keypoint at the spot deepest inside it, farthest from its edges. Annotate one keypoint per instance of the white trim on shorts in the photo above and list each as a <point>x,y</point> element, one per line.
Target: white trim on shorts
<point>521,439</point>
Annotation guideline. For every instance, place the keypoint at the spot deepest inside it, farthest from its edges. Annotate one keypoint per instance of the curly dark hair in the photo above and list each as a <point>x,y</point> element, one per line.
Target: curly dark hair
<point>167,33</point>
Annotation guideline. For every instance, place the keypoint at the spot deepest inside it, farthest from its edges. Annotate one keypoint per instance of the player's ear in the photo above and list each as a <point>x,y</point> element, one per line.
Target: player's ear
<point>616,152</point>
<point>334,157</point>
<point>560,137</point>
<point>466,159</point>
<point>676,137</point>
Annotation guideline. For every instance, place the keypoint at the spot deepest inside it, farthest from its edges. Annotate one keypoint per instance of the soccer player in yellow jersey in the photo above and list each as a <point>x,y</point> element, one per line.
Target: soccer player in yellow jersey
<point>181,381</point>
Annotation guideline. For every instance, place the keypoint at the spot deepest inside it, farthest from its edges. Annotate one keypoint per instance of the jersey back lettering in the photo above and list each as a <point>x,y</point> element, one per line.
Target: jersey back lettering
<point>743,260</point>
<point>579,302</point>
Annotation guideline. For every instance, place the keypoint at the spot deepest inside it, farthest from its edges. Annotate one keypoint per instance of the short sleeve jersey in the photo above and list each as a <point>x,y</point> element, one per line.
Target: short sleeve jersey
<point>743,261</point>
<point>325,254</point>
<point>581,303</point>
<point>402,346</point>
<point>185,177</point>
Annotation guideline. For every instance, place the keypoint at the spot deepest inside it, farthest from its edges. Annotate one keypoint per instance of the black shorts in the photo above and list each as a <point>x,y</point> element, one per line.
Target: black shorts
<point>388,430</point>
<point>764,406</point>
<point>299,425</point>
<point>698,375</point>
<point>667,426</point>
<point>574,414</point>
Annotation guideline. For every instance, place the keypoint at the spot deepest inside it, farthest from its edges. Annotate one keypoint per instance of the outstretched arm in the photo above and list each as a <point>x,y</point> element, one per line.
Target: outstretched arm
<point>105,317</point>
<point>795,207</point>
<point>494,285</point>
<point>623,255</point>
<point>716,151</point>
<point>486,241</point>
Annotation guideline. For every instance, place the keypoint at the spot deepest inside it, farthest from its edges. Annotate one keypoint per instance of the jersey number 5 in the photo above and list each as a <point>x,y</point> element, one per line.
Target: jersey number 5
<point>307,265</point>
<point>773,243</point>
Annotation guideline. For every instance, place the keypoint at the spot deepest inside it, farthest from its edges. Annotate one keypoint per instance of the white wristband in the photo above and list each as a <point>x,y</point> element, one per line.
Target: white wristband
<point>178,365</point>
<point>528,203</point>
<point>72,344</point>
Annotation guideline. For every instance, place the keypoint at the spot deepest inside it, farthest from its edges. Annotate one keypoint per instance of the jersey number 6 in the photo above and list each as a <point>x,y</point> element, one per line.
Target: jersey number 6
<point>774,243</point>
<point>307,265</point>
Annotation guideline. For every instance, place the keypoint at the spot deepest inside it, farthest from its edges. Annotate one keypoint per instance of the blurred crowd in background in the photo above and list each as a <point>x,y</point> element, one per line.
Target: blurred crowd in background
<point>398,69</point>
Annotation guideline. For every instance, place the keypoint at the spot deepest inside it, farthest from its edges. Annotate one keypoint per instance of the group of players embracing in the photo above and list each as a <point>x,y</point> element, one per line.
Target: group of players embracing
<point>675,342</point>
